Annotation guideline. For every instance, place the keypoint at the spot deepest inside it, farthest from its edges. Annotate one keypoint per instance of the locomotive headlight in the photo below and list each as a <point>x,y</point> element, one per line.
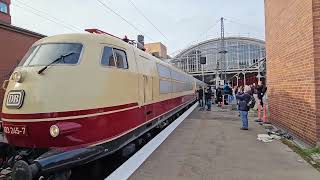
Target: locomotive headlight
<point>17,76</point>
<point>54,131</point>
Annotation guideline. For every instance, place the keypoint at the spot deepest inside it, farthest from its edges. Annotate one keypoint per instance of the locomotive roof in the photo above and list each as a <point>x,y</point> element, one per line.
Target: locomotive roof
<point>80,37</point>
<point>100,38</point>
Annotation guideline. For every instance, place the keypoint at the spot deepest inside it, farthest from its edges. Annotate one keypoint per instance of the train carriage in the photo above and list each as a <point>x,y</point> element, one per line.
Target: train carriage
<point>79,97</point>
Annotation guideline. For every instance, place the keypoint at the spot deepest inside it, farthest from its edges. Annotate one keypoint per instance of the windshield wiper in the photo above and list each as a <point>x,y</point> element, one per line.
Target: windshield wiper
<point>55,61</point>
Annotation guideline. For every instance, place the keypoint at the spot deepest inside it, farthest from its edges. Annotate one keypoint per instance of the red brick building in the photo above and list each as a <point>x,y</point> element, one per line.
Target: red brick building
<point>293,66</point>
<point>14,43</point>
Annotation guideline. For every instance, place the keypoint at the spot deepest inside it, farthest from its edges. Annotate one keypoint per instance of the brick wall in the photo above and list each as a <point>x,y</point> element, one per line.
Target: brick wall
<point>157,48</point>
<point>316,41</point>
<point>293,77</point>
<point>13,46</point>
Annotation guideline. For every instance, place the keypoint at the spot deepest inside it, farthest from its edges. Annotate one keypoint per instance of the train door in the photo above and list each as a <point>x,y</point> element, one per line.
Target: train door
<point>148,89</point>
<point>146,67</point>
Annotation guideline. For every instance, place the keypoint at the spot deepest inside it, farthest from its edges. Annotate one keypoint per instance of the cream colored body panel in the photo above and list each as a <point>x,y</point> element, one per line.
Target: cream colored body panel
<point>88,84</point>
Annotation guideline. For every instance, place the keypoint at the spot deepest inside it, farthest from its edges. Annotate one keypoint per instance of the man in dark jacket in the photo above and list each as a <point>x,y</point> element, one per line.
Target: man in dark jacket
<point>261,90</point>
<point>219,95</point>
<point>244,99</point>
<point>227,92</point>
<point>200,96</point>
<point>208,98</point>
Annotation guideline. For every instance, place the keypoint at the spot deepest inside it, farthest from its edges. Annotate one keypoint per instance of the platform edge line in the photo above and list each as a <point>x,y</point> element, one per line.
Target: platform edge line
<point>133,163</point>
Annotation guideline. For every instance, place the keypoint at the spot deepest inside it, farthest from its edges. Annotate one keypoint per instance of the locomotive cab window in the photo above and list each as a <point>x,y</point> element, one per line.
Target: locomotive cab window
<point>107,57</point>
<point>28,55</point>
<point>44,54</point>
<point>114,58</point>
<point>121,58</point>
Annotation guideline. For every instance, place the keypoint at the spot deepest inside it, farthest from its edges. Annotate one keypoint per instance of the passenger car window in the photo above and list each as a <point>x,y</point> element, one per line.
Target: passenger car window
<point>121,58</point>
<point>107,57</point>
<point>164,71</point>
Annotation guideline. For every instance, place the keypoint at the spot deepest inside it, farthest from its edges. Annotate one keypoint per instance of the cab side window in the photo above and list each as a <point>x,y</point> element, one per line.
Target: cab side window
<point>114,57</point>
<point>107,57</point>
<point>121,58</point>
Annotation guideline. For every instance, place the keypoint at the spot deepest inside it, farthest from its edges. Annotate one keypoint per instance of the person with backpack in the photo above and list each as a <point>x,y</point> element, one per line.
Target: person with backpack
<point>246,101</point>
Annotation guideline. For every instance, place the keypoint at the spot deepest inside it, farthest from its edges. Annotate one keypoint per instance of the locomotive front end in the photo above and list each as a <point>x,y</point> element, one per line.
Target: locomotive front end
<point>43,97</point>
<point>35,94</point>
<point>62,106</point>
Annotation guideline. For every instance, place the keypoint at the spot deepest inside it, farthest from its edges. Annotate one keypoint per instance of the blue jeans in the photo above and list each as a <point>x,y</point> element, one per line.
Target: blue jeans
<point>230,99</point>
<point>244,118</point>
<point>201,102</point>
<point>209,104</point>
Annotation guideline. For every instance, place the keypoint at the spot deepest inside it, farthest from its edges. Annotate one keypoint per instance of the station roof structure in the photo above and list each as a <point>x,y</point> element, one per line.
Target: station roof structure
<point>239,53</point>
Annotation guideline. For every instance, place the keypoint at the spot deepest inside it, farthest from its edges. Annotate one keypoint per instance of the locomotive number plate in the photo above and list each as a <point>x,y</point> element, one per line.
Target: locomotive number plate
<point>15,130</point>
<point>15,99</point>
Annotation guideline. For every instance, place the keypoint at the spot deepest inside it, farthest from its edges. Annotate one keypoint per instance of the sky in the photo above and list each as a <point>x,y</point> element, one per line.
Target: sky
<point>181,22</point>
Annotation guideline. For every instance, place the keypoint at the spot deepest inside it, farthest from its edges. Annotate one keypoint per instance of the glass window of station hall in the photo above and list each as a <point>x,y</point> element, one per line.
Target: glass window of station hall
<point>3,7</point>
<point>241,53</point>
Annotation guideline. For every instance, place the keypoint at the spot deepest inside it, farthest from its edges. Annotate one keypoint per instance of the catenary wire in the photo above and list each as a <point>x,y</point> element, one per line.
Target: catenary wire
<point>49,17</point>
<point>124,19</point>
<point>203,33</point>
<point>37,14</point>
<point>142,14</point>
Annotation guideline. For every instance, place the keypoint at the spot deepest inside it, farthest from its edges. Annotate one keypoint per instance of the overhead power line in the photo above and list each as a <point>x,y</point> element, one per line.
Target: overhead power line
<point>21,7</point>
<point>203,33</point>
<point>246,25</point>
<point>45,15</point>
<point>142,14</point>
<point>124,19</point>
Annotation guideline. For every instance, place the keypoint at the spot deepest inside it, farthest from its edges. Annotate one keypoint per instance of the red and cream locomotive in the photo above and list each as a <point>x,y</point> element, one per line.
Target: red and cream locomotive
<point>75,98</point>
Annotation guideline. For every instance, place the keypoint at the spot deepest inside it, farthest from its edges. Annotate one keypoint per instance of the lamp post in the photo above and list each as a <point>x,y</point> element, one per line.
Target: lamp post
<point>237,80</point>
<point>259,76</point>
<point>203,61</point>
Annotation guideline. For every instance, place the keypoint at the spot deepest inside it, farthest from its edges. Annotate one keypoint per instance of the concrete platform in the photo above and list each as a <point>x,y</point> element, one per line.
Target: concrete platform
<point>210,145</point>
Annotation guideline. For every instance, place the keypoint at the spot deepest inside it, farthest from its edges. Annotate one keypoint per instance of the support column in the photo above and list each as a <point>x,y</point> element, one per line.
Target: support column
<point>238,80</point>
<point>188,64</point>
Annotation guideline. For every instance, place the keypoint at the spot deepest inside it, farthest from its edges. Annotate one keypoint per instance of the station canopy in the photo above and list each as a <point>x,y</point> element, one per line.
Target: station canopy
<point>237,54</point>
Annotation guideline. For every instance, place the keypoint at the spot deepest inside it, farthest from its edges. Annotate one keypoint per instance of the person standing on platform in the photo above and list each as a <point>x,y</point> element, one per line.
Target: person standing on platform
<point>261,90</point>
<point>208,98</point>
<point>219,96</point>
<point>200,96</point>
<point>227,93</point>
<point>244,106</point>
